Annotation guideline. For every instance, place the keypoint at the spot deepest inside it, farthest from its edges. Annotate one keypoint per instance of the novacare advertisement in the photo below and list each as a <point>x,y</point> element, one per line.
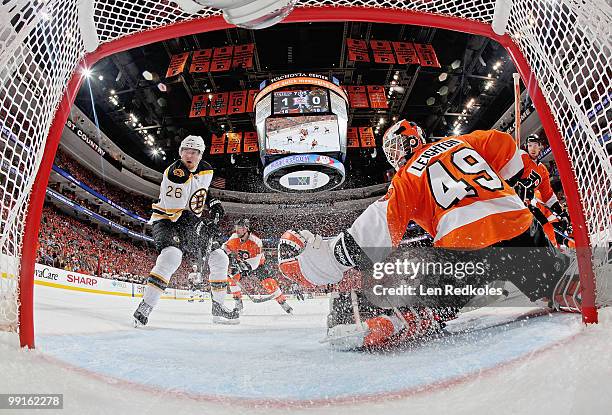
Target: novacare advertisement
<point>68,280</point>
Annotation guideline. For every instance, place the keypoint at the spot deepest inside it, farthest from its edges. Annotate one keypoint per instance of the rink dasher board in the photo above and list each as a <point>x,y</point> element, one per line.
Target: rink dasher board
<point>68,280</point>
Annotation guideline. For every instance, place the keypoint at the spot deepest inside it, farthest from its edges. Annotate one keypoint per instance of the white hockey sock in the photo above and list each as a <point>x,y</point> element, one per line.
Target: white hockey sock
<point>168,261</point>
<point>218,263</point>
<point>151,295</point>
<point>218,295</point>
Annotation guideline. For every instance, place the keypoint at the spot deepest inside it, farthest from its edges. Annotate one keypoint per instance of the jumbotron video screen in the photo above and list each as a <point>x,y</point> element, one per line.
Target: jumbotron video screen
<point>300,102</point>
<point>302,134</point>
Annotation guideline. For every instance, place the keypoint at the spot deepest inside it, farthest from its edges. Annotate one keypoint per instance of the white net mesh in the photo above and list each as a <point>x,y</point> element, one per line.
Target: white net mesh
<point>566,42</point>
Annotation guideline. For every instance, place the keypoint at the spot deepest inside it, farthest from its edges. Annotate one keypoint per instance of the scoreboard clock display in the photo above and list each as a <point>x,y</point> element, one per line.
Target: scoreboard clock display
<point>300,102</point>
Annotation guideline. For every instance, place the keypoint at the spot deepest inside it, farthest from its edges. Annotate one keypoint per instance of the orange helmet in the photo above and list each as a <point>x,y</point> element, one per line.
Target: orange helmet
<point>401,140</point>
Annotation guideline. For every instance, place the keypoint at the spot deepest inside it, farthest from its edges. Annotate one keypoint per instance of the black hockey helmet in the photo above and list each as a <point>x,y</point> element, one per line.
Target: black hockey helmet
<point>533,138</point>
<point>243,223</point>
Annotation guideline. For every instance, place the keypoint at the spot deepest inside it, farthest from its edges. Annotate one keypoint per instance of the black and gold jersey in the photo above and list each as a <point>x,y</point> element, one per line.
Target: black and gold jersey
<point>182,190</point>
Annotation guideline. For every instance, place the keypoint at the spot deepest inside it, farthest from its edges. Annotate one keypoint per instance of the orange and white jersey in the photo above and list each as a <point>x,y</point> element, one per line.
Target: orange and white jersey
<point>543,208</point>
<point>250,250</point>
<point>455,189</point>
<point>546,194</point>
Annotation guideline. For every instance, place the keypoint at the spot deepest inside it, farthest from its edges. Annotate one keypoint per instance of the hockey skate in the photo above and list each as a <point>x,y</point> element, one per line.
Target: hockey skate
<point>222,315</point>
<point>288,309</point>
<point>141,315</point>
<point>190,300</point>
<point>238,305</point>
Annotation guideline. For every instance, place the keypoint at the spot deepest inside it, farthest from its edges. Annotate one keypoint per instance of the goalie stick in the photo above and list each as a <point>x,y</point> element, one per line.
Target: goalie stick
<point>360,327</point>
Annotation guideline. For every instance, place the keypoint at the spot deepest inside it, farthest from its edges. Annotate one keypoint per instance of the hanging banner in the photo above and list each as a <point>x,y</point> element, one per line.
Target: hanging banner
<point>200,61</point>
<point>243,56</point>
<point>377,96</point>
<point>233,142</point>
<point>366,135</point>
<point>217,144</point>
<point>250,142</point>
<point>199,104</point>
<point>382,51</point>
<point>352,137</point>
<point>427,55</point>
<point>218,104</point>
<point>237,102</point>
<point>358,97</point>
<point>218,182</point>
<point>177,64</point>
<point>251,99</point>
<point>406,53</point>
<point>222,59</point>
<point>357,50</point>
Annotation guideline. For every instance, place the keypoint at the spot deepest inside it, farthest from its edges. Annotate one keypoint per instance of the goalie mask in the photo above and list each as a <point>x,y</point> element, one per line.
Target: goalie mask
<point>400,141</point>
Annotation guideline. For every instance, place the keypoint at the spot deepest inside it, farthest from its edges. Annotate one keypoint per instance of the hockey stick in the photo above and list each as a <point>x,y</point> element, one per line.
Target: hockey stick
<point>355,304</point>
<point>563,235</point>
<point>253,299</point>
<point>358,331</point>
<point>360,327</point>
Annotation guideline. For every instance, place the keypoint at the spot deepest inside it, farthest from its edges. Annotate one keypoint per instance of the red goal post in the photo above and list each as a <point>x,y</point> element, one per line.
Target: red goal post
<point>561,49</point>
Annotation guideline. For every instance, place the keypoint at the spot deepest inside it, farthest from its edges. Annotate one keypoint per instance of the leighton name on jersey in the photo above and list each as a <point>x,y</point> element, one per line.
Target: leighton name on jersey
<point>422,161</point>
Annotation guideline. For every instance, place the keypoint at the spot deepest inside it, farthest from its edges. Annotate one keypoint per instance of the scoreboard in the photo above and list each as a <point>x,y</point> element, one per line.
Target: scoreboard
<point>300,102</point>
<point>301,122</point>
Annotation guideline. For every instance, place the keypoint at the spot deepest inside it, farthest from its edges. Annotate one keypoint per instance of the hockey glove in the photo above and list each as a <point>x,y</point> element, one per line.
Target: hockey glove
<point>565,224</point>
<point>525,188</point>
<point>216,210</point>
<point>312,260</point>
<point>244,266</point>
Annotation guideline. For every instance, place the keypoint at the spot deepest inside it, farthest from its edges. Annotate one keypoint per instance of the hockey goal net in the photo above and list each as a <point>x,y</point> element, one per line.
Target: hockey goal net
<point>561,47</point>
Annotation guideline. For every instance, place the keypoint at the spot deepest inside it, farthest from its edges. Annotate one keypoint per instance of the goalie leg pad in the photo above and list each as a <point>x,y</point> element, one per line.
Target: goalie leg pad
<point>380,329</point>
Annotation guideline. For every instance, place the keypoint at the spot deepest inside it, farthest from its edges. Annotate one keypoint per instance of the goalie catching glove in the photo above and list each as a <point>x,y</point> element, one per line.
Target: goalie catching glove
<point>312,260</point>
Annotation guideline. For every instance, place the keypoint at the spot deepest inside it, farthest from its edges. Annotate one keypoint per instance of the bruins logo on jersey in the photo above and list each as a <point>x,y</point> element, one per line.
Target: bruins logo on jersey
<point>198,201</point>
<point>178,172</point>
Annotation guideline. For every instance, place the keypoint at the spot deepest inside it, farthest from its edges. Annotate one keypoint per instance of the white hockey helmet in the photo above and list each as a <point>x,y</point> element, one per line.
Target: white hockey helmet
<point>194,142</point>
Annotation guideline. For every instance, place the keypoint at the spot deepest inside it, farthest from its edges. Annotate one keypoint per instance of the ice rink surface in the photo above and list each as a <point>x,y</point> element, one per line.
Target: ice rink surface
<point>274,363</point>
